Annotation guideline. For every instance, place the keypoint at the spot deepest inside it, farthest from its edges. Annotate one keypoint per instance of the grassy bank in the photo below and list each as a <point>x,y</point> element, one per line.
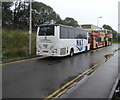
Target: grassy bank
<point>15,44</point>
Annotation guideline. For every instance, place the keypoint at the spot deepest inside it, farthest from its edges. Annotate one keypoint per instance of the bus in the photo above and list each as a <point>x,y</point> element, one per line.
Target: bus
<point>97,34</point>
<point>61,40</point>
<point>108,37</point>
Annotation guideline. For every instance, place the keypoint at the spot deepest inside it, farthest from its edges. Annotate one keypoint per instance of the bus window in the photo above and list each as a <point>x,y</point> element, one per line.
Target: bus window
<point>64,33</point>
<point>77,32</point>
<point>98,39</point>
<point>109,32</point>
<point>109,39</point>
<point>82,32</point>
<point>46,31</point>
<point>71,33</point>
<point>86,26</point>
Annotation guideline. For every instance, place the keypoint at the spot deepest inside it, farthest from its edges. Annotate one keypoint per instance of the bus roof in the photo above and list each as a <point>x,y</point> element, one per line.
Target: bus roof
<point>91,25</point>
<point>59,25</point>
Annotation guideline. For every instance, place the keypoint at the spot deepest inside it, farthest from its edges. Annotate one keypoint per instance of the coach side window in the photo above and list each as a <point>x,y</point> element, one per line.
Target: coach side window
<point>85,34</point>
<point>77,34</point>
<point>71,33</point>
<point>81,34</point>
<point>64,33</point>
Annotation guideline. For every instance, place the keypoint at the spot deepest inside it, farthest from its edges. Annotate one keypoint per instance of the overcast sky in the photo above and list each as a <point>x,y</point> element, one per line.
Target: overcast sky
<point>87,11</point>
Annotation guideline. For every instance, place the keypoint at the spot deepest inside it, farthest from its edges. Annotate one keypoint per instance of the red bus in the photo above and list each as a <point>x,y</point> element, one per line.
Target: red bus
<point>97,34</point>
<point>108,37</point>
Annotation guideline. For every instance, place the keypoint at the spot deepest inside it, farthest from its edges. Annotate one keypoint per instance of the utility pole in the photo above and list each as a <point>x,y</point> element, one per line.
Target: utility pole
<point>30,30</point>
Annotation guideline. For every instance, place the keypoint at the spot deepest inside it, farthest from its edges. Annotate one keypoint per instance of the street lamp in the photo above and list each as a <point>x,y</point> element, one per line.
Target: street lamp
<point>118,28</point>
<point>98,21</point>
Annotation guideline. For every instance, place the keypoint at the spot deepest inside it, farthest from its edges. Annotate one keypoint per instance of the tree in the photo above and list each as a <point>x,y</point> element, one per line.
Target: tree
<point>114,33</point>
<point>107,27</point>
<point>110,28</point>
<point>6,13</point>
<point>15,13</point>
<point>43,14</point>
<point>21,14</point>
<point>71,22</point>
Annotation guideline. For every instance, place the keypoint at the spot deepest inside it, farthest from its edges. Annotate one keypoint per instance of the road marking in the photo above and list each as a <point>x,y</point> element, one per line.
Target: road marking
<point>64,90</point>
<point>54,93</point>
<point>20,61</point>
<point>61,93</point>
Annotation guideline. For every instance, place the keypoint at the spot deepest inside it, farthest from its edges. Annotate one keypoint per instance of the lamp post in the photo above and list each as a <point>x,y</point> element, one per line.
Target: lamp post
<point>98,21</point>
<point>118,28</point>
<point>30,30</point>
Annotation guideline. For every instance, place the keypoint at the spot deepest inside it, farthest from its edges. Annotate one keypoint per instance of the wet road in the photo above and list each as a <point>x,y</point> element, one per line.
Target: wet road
<point>101,84</point>
<point>38,78</point>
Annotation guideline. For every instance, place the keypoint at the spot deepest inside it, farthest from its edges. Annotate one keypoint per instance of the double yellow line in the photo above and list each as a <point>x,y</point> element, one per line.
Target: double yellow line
<point>70,84</point>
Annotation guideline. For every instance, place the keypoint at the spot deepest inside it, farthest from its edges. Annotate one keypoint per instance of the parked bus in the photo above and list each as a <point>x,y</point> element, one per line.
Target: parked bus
<point>61,40</point>
<point>97,34</point>
<point>108,37</point>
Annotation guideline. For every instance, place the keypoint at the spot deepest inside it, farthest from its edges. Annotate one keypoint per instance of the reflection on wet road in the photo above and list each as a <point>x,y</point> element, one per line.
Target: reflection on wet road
<point>41,77</point>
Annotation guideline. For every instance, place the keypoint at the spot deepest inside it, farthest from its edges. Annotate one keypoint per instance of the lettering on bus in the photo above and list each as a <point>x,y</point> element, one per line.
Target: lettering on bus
<point>45,45</point>
<point>79,44</point>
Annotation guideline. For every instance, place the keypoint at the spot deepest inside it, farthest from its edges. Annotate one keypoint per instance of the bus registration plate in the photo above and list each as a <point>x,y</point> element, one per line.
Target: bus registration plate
<point>45,51</point>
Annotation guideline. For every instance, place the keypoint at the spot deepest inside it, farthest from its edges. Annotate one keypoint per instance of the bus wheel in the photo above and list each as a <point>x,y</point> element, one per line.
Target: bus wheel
<point>86,49</point>
<point>71,52</point>
<point>96,46</point>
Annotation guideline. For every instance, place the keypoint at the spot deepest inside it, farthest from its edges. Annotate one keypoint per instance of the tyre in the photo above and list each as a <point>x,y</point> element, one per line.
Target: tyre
<point>71,52</point>
<point>96,46</point>
<point>86,49</point>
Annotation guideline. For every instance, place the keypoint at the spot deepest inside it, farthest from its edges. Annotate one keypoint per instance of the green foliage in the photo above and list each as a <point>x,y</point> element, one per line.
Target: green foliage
<point>71,22</point>
<point>20,13</point>
<point>6,12</point>
<point>107,27</point>
<point>115,35</point>
<point>15,44</point>
<point>41,13</point>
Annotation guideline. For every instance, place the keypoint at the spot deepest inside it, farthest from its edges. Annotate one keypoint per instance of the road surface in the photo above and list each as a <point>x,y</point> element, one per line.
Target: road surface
<point>38,78</point>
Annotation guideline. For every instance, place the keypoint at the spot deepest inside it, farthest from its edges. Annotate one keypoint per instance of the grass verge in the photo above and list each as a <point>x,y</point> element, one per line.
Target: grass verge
<point>15,44</point>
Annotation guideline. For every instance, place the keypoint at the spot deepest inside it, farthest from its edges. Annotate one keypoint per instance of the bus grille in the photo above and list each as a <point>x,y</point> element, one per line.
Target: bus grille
<point>62,51</point>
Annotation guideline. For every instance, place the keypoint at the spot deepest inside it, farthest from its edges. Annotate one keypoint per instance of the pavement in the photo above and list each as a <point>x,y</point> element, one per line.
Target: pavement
<point>101,83</point>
